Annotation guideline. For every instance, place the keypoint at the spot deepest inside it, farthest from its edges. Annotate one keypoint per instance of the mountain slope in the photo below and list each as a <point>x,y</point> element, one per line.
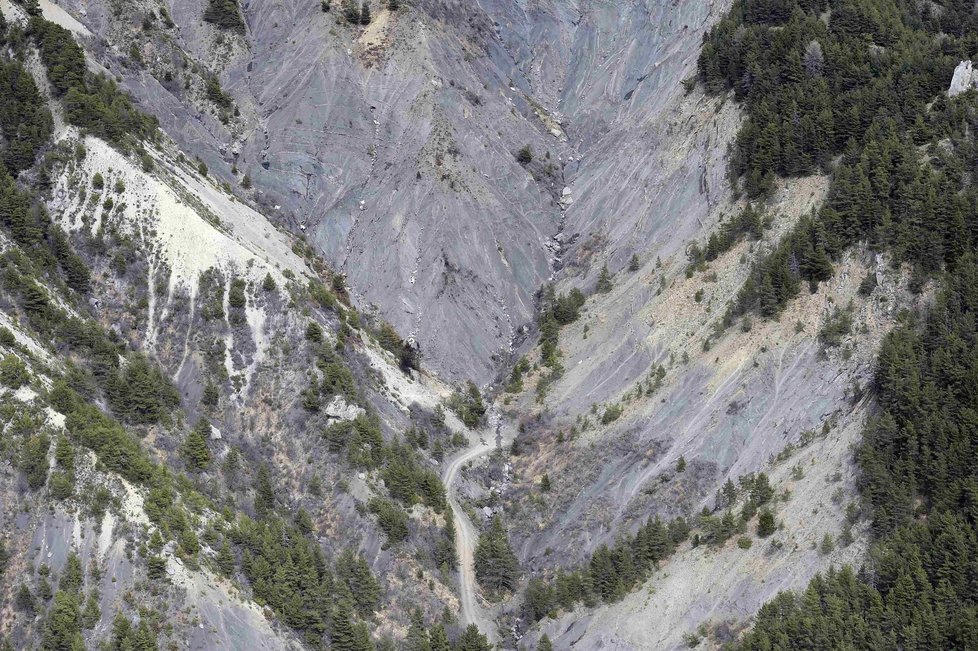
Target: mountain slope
<point>406,134</point>
<point>593,226</point>
<point>188,398</point>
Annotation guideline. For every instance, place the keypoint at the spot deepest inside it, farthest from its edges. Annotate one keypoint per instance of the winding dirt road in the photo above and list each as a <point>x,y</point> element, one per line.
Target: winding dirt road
<point>467,536</point>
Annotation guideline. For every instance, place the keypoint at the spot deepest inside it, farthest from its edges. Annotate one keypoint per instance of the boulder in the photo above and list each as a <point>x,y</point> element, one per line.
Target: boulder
<point>339,409</point>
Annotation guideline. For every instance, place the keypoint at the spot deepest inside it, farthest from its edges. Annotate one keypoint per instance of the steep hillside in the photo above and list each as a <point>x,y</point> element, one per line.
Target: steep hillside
<point>204,444</point>
<point>394,147</point>
<point>431,324</point>
<point>683,373</point>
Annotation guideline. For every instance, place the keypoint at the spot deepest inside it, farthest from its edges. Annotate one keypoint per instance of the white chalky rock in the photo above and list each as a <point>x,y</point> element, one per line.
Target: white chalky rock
<point>964,79</point>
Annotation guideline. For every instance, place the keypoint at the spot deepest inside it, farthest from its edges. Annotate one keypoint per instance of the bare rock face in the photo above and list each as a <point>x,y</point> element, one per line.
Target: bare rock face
<point>393,147</point>
<point>339,409</point>
<point>964,79</point>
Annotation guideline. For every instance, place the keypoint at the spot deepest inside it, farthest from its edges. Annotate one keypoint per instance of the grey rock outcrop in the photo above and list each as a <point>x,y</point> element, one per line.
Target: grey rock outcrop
<point>339,409</point>
<point>393,147</point>
<point>964,79</point>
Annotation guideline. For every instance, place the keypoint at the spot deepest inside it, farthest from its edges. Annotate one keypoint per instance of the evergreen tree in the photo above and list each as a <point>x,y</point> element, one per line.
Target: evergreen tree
<point>62,629</point>
<point>351,12</point>
<point>211,395</point>
<point>827,545</point>
<point>496,567</point>
<point>34,460</point>
<point>264,493</point>
<point>92,613</point>
<point>225,560</point>
<point>224,14</point>
<point>473,640</point>
<point>24,600</point>
<point>342,636</point>
<point>72,575</point>
<point>354,572</point>
<point>195,451</point>
<point>417,635</point>
<point>439,638</point>
<point>446,553</point>
<point>314,332</point>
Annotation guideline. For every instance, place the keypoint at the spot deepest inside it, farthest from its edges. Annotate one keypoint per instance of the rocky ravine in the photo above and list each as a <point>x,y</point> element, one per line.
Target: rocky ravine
<point>393,148</point>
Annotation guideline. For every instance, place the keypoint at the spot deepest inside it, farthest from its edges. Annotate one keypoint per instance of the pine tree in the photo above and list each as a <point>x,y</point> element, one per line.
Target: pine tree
<point>264,494</point>
<point>827,545</point>
<point>24,599</point>
<point>314,332</point>
<point>445,552</point>
<point>605,577</point>
<point>766,524</point>
<point>633,264</point>
<point>761,490</point>
<point>365,13</point>
<point>231,466</point>
<point>342,636</point>
<point>538,599</point>
<point>189,544</point>
<point>545,644</point>
<point>225,560</point>
<point>196,454</point>
<point>211,395</point>
<point>92,613</point>
<point>417,636</point>
<point>224,14</point>
<point>72,575</point>
<point>473,640</point>
<point>439,638</point>
<point>496,567</point>
<point>351,12</point>
<point>353,571</point>
<point>361,636</point>
<point>143,638</point>
<point>62,630</point>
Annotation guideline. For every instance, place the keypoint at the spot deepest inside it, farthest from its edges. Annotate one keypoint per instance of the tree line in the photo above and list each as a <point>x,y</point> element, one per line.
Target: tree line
<point>866,86</point>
